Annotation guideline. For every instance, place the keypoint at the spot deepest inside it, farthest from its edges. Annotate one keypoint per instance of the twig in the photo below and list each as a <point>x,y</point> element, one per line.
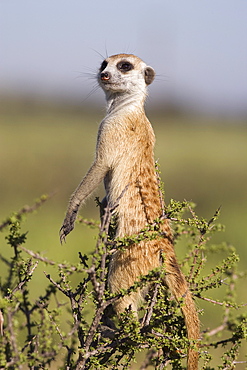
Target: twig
<point>37,256</point>
<point>95,323</point>
<point>220,303</point>
<point>27,209</point>
<point>58,286</point>
<point>161,195</point>
<point>48,261</point>
<point>215,344</point>
<point>87,222</point>
<point>1,322</point>
<point>147,317</point>
<point>29,273</point>
<point>13,339</point>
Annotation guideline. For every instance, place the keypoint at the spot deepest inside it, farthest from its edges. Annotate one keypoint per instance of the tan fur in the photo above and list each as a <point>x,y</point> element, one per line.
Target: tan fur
<point>125,160</point>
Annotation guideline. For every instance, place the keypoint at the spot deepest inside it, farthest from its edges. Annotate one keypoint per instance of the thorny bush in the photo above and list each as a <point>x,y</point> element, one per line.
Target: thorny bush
<point>32,332</point>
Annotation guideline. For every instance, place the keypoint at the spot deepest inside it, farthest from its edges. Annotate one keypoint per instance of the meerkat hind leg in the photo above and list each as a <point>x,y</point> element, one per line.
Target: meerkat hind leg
<point>128,302</point>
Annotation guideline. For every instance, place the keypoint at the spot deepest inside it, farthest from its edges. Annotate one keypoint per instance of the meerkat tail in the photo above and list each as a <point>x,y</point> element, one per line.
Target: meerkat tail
<point>178,286</point>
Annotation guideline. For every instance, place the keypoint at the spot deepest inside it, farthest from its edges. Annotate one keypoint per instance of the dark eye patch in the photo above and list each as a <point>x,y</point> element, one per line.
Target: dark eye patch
<point>124,66</point>
<point>103,65</point>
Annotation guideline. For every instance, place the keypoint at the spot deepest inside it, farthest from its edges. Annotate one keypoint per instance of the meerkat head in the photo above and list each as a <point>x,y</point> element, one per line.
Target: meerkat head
<point>125,73</point>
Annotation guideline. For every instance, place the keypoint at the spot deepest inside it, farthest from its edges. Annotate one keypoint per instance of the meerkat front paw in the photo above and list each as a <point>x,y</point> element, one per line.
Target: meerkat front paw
<point>67,227</point>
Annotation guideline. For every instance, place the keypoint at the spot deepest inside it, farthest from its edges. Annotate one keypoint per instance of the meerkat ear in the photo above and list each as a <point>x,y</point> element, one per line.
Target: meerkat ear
<point>149,75</point>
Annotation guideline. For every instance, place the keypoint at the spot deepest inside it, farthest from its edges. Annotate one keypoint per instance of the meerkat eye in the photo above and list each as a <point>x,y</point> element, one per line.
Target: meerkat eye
<point>103,65</point>
<point>125,66</point>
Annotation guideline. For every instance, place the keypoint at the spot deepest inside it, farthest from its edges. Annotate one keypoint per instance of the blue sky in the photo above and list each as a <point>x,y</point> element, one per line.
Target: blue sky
<point>198,48</point>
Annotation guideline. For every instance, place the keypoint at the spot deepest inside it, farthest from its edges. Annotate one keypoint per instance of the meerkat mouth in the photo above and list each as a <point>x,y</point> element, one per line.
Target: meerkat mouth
<point>110,85</point>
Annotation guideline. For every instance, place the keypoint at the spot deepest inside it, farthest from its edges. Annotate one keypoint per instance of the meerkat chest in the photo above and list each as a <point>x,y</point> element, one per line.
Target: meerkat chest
<point>125,137</point>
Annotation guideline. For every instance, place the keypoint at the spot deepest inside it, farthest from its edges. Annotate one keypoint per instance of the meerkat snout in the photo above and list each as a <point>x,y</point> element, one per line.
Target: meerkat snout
<point>105,76</point>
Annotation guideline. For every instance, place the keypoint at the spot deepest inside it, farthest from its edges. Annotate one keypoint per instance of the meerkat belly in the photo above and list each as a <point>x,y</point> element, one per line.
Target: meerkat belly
<point>135,191</point>
<point>136,260</point>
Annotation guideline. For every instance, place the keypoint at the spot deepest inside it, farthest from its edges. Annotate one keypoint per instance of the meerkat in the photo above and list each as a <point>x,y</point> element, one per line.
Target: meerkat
<point>125,160</point>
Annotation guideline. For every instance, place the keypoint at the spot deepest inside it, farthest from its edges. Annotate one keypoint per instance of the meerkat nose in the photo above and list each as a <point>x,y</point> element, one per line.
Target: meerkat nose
<point>105,76</point>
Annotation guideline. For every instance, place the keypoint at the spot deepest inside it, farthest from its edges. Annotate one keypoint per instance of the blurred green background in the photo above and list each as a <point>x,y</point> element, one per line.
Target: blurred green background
<point>47,148</point>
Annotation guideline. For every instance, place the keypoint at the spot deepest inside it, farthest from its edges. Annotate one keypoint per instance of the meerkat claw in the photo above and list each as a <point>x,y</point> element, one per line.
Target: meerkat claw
<point>62,236</point>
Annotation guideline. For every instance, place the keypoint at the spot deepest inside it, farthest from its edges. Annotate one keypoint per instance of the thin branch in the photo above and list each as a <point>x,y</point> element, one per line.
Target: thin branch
<point>48,261</point>
<point>13,338</point>
<point>58,286</point>
<point>1,323</point>
<point>221,303</point>
<point>27,209</point>
<point>29,273</point>
<point>219,343</point>
<point>90,223</point>
<point>161,195</point>
<point>89,339</point>
<point>147,317</point>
